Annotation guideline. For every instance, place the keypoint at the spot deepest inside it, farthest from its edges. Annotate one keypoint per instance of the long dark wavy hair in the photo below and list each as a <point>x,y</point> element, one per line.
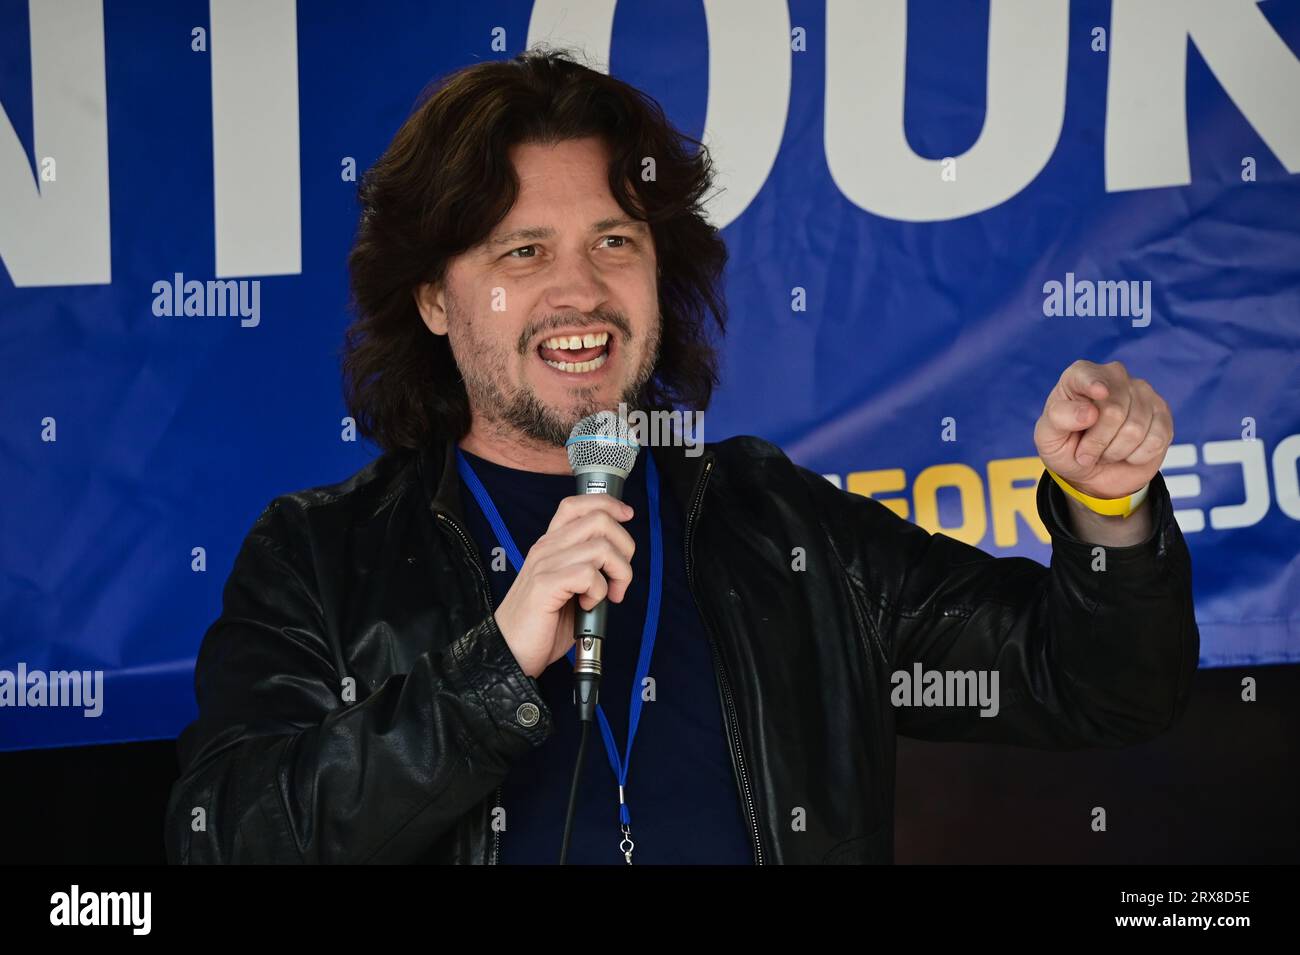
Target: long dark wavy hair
<point>444,184</point>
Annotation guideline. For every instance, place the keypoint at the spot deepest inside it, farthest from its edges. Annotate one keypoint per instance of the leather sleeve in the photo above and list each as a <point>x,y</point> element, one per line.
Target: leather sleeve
<point>1084,656</point>
<point>278,768</point>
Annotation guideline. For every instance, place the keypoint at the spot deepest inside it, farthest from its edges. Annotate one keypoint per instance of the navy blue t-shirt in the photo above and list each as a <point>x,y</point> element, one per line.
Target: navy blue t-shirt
<point>681,790</point>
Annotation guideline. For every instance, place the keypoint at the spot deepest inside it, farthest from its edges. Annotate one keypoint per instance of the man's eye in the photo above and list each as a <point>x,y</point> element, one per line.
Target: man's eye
<point>512,252</point>
<point>624,240</point>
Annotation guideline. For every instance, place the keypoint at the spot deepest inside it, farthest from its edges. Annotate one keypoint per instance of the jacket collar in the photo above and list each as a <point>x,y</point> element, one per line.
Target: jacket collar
<point>440,481</point>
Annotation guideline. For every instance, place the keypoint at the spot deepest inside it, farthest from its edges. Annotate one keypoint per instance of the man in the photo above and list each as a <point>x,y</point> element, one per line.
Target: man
<point>388,680</point>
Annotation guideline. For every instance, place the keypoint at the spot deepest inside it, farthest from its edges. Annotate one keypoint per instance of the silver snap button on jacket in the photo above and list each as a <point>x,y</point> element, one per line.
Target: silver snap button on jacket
<point>527,714</point>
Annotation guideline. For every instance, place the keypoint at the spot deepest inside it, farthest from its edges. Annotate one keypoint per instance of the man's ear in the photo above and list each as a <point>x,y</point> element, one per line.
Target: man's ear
<point>429,300</point>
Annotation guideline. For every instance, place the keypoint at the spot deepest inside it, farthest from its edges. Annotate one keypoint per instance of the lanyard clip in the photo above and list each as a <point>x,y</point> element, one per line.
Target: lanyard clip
<point>627,845</point>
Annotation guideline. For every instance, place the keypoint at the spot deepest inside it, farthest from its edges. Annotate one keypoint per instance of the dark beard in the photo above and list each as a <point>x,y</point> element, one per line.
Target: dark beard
<point>525,414</point>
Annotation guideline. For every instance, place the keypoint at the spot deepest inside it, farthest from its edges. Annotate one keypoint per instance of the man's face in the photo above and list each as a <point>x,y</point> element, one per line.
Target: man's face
<point>567,267</point>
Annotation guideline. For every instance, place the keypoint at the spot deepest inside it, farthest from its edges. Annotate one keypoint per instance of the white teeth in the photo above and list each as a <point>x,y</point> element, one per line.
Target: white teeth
<point>577,341</point>
<point>578,367</point>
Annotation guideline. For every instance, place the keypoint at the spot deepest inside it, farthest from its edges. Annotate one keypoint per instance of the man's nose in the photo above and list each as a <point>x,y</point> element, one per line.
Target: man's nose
<point>576,283</point>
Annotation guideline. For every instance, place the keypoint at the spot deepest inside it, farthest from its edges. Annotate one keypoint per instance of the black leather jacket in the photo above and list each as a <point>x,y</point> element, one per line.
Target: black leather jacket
<point>358,704</point>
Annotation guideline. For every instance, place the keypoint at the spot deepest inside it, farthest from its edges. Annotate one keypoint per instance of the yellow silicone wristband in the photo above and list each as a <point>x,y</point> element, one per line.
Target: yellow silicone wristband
<point>1110,507</point>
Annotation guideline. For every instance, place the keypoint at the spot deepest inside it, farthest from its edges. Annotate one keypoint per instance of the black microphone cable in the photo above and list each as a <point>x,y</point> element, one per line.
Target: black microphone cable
<point>573,792</point>
<point>585,694</point>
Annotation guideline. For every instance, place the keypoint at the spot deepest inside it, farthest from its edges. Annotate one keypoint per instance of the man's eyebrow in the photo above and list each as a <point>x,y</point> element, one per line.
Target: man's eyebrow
<point>619,222</point>
<point>535,233</point>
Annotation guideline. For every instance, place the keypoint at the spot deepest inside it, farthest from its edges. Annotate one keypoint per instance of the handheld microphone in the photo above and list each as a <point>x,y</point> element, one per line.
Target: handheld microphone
<point>601,453</point>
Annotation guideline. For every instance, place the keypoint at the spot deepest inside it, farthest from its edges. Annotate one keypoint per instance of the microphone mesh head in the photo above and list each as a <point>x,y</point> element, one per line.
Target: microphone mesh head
<point>602,442</point>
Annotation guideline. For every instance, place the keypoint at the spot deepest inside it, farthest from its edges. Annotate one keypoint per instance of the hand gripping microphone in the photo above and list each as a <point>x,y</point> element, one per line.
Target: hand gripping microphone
<point>601,454</point>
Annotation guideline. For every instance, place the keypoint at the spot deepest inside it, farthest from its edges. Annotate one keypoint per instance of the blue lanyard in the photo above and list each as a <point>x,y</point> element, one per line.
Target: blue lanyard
<point>648,632</point>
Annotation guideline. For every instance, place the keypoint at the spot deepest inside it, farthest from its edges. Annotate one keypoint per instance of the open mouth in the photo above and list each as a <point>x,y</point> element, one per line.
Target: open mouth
<point>576,354</point>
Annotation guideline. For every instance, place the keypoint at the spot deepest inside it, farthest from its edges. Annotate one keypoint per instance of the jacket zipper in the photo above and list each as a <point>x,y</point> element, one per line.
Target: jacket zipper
<point>733,722</point>
<point>496,834</point>
<point>486,593</point>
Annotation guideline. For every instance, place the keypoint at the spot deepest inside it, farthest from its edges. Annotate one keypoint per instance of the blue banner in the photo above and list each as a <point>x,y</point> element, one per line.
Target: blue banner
<point>932,209</point>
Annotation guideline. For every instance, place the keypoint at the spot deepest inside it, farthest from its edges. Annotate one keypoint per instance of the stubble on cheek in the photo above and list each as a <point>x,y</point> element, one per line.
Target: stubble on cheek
<point>495,375</point>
